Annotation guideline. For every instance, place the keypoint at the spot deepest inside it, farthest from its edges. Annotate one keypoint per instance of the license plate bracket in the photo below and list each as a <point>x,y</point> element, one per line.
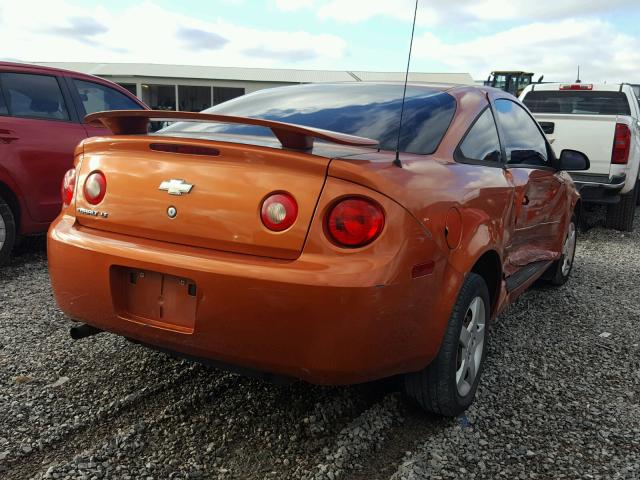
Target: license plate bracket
<point>157,299</point>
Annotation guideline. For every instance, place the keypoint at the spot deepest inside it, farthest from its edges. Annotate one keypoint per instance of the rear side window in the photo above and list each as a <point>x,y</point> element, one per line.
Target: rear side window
<point>98,98</point>
<point>482,143</point>
<point>523,142</point>
<point>577,102</point>
<point>34,96</point>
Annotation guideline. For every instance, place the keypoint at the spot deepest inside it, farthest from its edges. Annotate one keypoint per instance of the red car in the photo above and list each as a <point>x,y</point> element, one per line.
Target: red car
<point>41,112</point>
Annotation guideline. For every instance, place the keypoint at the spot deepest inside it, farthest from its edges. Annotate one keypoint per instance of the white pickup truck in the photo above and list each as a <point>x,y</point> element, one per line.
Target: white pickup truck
<point>603,121</point>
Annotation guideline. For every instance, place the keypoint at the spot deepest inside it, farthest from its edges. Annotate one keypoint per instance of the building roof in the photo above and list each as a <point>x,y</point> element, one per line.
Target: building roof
<point>251,74</point>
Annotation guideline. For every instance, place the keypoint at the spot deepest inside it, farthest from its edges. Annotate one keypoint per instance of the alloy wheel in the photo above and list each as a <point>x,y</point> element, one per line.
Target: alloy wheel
<point>568,249</point>
<point>3,232</point>
<point>470,346</point>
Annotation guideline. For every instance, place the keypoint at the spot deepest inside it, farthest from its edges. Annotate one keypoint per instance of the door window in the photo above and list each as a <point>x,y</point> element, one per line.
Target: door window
<point>481,144</point>
<point>98,98</point>
<point>159,97</point>
<point>523,142</point>
<point>194,98</point>
<point>34,96</point>
<point>222,94</point>
<point>3,106</point>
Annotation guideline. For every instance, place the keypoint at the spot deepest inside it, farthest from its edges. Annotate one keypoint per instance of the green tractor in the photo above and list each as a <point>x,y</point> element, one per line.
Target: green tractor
<point>510,81</point>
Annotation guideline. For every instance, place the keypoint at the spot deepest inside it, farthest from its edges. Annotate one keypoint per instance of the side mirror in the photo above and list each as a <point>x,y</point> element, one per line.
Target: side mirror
<point>573,160</point>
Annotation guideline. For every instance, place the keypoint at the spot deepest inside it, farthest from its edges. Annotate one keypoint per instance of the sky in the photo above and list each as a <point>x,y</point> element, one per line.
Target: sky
<point>541,36</point>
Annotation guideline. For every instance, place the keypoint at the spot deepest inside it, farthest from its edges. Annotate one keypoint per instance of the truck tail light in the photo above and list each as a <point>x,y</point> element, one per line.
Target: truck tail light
<point>621,144</point>
<point>279,211</point>
<point>577,86</point>
<point>68,187</point>
<point>354,222</point>
<point>95,188</point>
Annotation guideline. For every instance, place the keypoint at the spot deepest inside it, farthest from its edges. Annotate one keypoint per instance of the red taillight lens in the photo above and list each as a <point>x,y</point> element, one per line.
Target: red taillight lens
<point>355,222</point>
<point>577,86</point>
<point>95,187</point>
<point>279,211</point>
<point>621,144</point>
<point>68,187</point>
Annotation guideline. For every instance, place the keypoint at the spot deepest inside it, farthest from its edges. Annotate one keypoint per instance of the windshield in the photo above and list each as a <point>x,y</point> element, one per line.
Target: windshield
<point>577,102</point>
<point>365,110</point>
<point>500,81</point>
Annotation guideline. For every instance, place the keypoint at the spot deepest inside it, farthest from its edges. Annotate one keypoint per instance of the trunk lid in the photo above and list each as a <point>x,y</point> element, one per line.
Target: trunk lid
<point>221,210</point>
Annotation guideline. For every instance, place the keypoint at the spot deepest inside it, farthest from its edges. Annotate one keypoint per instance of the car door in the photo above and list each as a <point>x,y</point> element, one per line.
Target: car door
<point>39,134</point>
<point>91,97</point>
<point>540,197</point>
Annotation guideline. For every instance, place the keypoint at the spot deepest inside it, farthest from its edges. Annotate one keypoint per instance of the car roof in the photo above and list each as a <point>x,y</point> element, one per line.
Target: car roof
<point>442,87</point>
<point>50,70</point>
<point>28,67</point>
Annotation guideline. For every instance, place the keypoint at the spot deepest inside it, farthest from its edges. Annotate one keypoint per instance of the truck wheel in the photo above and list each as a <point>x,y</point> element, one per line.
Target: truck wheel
<point>620,216</point>
<point>448,385</point>
<point>560,270</point>
<point>7,231</point>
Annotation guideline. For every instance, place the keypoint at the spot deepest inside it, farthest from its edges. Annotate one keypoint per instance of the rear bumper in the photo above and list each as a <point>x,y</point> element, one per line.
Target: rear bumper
<point>599,189</point>
<point>323,322</point>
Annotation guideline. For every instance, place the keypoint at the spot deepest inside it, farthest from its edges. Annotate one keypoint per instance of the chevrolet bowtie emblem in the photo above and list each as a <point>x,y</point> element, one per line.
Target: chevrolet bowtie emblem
<point>175,186</point>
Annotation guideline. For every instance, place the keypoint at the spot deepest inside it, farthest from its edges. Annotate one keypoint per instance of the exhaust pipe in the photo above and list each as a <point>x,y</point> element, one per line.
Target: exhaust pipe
<point>83,331</point>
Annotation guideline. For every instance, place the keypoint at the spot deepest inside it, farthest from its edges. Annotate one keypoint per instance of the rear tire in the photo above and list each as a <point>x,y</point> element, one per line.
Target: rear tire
<point>620,216</point>
<point>448,385</point>
<point>7,231</point>
<point>560,270</point>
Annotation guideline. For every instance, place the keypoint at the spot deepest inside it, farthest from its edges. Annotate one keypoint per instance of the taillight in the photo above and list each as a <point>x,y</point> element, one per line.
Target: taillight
<point>355,222</point>
<point>621,144</point>
<point>68,187</point>
<point>577,86</point>
<point>279,211</point>
<point>95,187</point>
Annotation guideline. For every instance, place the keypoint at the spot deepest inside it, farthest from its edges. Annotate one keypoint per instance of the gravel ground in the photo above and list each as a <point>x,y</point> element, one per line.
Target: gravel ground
<point>560,396</point>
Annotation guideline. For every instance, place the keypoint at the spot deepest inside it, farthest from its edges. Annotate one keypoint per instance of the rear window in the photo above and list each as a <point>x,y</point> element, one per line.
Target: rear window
<point>577,102</point>
<point>98,98</point>
<point>366,110</point>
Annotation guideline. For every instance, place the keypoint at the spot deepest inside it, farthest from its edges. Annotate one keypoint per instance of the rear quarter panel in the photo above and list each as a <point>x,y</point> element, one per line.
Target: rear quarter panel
<point>430,187</point>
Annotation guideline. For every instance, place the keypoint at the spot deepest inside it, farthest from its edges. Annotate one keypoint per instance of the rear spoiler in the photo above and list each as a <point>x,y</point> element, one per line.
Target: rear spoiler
<point>136,122</point>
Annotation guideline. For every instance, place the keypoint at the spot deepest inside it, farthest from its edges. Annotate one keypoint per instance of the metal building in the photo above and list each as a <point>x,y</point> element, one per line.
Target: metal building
<point>194,88</point>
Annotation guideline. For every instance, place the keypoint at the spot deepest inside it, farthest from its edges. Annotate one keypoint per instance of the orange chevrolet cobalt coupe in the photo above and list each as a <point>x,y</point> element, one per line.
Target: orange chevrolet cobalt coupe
<point>280,233</point>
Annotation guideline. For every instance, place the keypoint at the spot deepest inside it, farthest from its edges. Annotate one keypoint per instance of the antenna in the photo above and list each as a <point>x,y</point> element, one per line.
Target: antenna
<point>397,161</point>
<point>578,79</point>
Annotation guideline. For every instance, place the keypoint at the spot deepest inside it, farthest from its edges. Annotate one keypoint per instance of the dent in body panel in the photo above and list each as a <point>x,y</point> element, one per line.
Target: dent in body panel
<point>540,198</point>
